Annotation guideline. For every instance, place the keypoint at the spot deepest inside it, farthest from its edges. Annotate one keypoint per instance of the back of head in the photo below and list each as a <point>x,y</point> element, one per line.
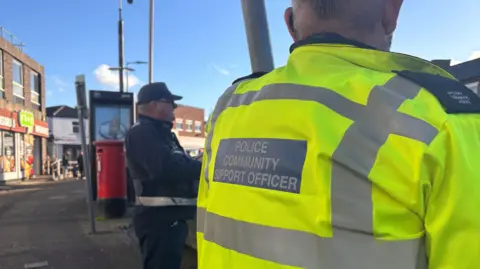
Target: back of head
<point>368,21</point>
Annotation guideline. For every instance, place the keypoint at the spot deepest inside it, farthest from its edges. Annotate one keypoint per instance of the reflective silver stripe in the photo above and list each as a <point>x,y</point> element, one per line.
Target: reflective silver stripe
<point>354,157</point>
<point>397,123</point>
<point>352,209</point>
<point>165,201</point>
<point>351,193</point>
<point>347,250</point>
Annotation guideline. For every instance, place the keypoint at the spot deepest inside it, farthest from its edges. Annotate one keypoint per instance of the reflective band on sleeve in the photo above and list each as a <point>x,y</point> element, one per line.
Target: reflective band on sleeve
<point>353,244</point>
<point>165,201</point>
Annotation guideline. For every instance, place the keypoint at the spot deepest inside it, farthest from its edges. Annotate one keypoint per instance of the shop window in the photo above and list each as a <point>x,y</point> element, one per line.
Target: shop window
<point>35,89</point>
<point>179,124</point>
<point>18,91</point>
<point>189,126</point>
<point>198,127</point>
<point>75,127</point>
<point>2,89</point>
<point>8,158</point>
<point>26,154</point>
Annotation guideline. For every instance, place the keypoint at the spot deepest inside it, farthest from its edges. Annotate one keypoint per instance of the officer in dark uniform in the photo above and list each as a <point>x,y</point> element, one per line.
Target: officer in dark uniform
<point>165,179</point>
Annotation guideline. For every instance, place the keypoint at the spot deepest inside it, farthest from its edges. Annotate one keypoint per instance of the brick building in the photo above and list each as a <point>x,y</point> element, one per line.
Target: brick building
<point>189,126</point>
<point>23,126</point>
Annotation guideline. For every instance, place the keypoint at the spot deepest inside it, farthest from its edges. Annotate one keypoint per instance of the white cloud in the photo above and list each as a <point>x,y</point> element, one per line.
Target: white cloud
<point>473,56</point>
<point>454,62</point>
<point>110,78</point>
<point>59,83</point>
<point>221,70</point>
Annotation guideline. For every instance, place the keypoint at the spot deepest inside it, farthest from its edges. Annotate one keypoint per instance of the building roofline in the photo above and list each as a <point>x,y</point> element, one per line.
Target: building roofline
<point>182,105</point>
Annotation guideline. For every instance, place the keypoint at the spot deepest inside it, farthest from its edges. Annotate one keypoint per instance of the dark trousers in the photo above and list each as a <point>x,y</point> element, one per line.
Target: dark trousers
<point>162,248</point>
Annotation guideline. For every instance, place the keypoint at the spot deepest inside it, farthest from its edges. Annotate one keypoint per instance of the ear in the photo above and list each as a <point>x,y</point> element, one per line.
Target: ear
<point>288,17</point>
<point>390,15</point>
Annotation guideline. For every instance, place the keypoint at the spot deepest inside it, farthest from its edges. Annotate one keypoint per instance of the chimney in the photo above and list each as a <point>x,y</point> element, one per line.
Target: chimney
<point>445,64</point>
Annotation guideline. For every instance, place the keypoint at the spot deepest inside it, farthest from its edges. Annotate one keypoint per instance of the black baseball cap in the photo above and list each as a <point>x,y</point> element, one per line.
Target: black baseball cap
<point>155,92</point>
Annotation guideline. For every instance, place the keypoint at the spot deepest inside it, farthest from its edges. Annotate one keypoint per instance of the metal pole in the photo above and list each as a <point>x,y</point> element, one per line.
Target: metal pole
<point>256,27</point>
<point>150,44</point>
<point>120,45</point>
<point>81,108</point>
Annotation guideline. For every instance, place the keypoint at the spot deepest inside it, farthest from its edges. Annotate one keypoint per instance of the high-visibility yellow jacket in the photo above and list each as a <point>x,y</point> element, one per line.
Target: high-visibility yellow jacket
<point>345,158</point>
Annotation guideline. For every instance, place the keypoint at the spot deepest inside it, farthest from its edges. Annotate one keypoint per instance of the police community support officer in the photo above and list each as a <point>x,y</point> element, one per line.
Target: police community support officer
<point>165,179</point>
<point>348,157</point>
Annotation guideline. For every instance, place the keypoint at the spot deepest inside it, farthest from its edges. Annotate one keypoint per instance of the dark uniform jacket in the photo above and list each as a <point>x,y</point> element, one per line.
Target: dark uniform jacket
<point>160,167</point>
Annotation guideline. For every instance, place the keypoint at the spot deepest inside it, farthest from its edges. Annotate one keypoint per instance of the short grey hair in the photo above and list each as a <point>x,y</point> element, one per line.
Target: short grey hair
<point>326,9</point>
<point>358,13</point>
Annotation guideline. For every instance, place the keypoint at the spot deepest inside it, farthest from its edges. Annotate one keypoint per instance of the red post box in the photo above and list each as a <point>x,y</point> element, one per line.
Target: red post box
<point>111,178</point>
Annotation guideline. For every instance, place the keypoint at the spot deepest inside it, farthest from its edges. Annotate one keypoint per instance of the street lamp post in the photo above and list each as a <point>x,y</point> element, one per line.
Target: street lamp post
<point>150,43</point>
<point>256,28</point>
<point>151,38</point>
<point>120,45</point>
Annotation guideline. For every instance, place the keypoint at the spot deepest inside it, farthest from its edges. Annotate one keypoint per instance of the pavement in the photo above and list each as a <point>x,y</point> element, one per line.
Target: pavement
<point>45,225</point>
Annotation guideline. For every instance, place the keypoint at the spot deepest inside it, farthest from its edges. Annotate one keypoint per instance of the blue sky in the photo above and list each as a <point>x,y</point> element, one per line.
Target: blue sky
<point>200,46</point>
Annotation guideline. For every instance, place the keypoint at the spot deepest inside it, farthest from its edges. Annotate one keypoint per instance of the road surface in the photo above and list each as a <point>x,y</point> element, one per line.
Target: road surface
<point>45,225</point>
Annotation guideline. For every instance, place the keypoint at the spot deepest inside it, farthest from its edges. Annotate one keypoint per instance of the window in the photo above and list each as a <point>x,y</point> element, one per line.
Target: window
<point>198,127</point>
<point>189,126</point>
<point>179,124</point>
<point>35,88</point>
<point>2,89</point>
<point>75,127</point>
<point>473,86</point>
<point>8,160</point>
<point>17,74</point>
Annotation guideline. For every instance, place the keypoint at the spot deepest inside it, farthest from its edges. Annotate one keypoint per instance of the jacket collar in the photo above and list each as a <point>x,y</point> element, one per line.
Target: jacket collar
<point>363,55</point>
<point>158,123</point>
<point>329,38</point>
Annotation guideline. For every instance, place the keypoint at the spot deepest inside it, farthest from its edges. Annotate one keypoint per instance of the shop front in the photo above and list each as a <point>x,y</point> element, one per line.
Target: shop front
<point>21,138</point>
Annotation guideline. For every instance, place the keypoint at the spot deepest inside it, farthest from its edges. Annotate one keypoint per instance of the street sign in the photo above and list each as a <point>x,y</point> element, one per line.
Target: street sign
<point>82,109</point>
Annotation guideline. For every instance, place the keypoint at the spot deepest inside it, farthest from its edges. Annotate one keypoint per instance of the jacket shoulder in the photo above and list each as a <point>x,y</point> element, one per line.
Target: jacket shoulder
<point>454,97</point>
<point>251,76</point>
<point>140,129</point>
